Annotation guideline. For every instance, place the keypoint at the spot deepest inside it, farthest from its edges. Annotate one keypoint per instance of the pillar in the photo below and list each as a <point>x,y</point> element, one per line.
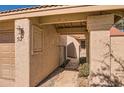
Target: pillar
<point>22,52</point>
<point>99,49</point>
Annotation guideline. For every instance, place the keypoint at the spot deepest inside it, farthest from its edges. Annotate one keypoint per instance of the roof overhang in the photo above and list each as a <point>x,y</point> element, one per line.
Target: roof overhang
<point>58,11</point>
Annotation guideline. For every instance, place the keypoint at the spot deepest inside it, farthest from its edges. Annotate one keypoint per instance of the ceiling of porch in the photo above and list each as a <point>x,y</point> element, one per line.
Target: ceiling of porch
<point>71,27</point>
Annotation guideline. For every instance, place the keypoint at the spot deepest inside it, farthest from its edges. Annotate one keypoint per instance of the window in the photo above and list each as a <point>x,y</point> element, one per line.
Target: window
<point>82,43</point>
<point>7,37</point>
<point>37,40</point>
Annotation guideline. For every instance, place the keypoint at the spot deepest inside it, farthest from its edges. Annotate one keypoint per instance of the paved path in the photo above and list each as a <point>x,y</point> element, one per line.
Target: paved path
<point>73,64</point>
<point>67,79</point>
<point>61,78</point>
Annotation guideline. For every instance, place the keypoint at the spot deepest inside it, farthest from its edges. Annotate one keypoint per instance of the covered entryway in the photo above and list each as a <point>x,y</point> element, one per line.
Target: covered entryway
<point>73,43</point>
<point>73,49</point>
<point>37,49</point>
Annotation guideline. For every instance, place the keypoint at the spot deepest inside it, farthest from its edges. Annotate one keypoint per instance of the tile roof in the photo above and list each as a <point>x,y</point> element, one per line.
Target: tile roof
<point>32,8</point>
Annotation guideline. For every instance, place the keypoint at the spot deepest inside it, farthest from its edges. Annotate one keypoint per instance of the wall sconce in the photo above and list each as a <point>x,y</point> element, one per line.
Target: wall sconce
<point>20,35</point>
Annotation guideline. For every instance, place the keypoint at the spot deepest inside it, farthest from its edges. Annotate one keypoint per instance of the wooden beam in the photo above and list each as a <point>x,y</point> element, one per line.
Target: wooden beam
<point>60,19</point>
<point>52,23</point>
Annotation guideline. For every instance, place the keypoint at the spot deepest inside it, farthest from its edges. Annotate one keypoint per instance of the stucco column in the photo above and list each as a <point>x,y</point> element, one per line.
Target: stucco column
<point>22,52</point>
<point>99,47</point>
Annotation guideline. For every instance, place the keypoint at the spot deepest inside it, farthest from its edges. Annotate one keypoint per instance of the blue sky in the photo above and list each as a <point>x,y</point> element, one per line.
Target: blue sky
<point>10,7</point>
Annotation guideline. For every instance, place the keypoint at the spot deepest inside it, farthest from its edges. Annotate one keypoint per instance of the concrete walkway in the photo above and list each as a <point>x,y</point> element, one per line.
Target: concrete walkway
<point>67,79</point>
<point>61,78</point>
<point>73,64</point>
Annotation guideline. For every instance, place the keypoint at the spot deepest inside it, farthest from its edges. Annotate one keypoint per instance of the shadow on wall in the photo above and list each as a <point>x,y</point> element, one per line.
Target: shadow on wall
<point>71,50</point>
<point>111,79</point>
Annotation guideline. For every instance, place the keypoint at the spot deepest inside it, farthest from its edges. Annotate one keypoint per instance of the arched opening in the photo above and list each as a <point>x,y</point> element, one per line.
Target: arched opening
<point>71,50</point>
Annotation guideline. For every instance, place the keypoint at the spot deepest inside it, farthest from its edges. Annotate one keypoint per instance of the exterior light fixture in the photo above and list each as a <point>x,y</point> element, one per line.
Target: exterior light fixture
<point>20,34</point>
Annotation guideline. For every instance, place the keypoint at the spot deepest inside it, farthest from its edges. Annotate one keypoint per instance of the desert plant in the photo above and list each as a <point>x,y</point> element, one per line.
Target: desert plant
<point>84,70</point>
<point>82,60</point>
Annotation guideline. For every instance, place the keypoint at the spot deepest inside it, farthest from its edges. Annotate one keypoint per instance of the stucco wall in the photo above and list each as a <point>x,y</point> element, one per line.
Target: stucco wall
<point>47,60</point>
<point>63,49</point>
<point>99,58</point>
<point>22,53</point>
<point>99,27</point>
<point>117,59</point>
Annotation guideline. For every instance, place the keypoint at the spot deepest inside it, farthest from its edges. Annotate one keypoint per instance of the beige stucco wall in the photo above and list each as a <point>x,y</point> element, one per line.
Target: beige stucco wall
<point>43,63</point>
<point>117,58</point>
<point>22,53</point>
<point>99,57</point>
<point>98,27</point>
<point>62,48</point>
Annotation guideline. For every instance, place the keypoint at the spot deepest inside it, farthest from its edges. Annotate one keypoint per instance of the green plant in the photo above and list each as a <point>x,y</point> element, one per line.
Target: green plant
<point>84,70</point>
<point>82,60</point>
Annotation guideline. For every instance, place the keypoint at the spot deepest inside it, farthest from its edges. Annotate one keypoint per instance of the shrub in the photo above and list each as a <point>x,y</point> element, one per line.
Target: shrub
<point>82,60</point>
<point>84,70</point>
